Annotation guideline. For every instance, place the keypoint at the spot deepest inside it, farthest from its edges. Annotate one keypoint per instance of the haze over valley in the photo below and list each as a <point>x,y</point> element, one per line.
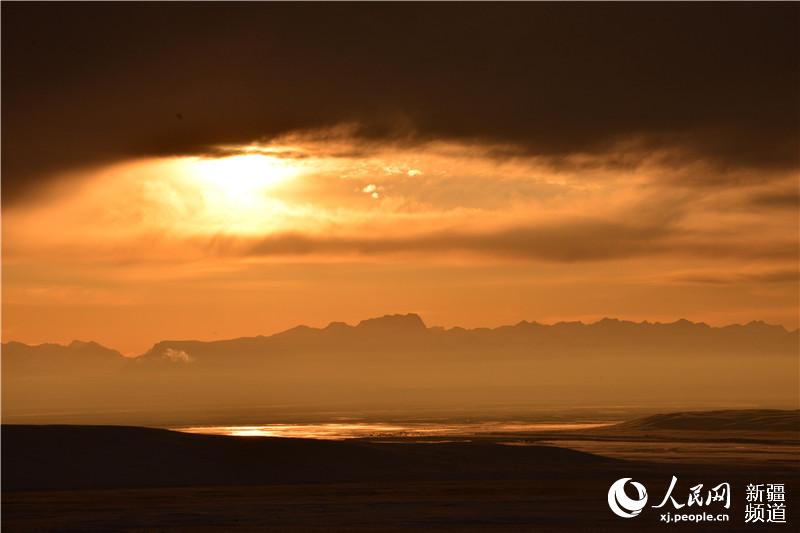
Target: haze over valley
<point>396,365</point>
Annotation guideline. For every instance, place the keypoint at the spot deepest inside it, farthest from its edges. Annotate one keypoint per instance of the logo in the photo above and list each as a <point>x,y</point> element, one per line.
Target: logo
<point>621,504</point>
<point>698,499</point>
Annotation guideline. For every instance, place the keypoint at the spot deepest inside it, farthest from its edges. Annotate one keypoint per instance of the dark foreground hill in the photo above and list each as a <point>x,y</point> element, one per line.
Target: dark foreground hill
<point>100,479</point>
<point>91,457</point>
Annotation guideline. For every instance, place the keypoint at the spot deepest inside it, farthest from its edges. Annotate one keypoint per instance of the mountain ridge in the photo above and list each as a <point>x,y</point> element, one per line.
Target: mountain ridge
<point>413,322</point>
<point>397,362</point>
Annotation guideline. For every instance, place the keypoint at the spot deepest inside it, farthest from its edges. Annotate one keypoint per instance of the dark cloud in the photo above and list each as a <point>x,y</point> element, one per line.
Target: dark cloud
<point>585,239</point>
<point>567,242</point>
<point>777,200</point>
<point>787,275</point>
<point>86,83</point>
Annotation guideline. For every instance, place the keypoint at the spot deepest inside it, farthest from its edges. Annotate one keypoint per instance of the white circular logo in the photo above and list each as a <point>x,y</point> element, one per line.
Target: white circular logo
<point>621,504</point>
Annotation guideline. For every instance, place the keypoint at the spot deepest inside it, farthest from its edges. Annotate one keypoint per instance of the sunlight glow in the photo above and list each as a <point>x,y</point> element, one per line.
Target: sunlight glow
<point>238,194</point>
<point>352,430</point>
<point>241,179</point>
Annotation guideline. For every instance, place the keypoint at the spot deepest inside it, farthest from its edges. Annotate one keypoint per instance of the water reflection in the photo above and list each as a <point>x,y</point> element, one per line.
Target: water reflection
<point>349,430</point>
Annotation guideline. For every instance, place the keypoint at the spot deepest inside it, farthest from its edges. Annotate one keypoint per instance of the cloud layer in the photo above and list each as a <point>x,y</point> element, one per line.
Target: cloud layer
<point>478,163</point>
<point>86,84</point>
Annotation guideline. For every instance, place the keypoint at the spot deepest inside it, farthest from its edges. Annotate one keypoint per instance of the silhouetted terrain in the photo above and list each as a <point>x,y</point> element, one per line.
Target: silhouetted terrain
<point>113,478</point>
<point>82,358</point>
<point>729,420</point>
<point>84,457</point>
<point>396,362</point>
<point>755,437</point>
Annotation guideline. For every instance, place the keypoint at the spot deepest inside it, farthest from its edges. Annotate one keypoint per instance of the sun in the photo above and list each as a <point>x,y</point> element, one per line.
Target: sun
<point>239,193</point>
<point>241,180</point>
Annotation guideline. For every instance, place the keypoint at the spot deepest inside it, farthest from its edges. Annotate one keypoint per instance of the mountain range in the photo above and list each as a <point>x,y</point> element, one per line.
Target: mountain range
<point>397,362</point>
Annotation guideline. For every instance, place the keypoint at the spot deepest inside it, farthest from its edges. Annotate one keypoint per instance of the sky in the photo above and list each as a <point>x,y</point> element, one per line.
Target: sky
<point>205,171</point>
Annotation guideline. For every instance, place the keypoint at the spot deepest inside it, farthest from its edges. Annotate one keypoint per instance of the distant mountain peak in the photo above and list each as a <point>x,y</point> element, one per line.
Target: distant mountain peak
<point>87,344</point>
<point>407,322</point>
<point>297,331</point>
<point>760,324</point>
<point>337,326</point>
<point>682,322</point>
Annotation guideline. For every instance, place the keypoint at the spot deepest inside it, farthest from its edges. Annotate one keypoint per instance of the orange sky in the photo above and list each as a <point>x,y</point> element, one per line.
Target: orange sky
<point>309,229</point>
